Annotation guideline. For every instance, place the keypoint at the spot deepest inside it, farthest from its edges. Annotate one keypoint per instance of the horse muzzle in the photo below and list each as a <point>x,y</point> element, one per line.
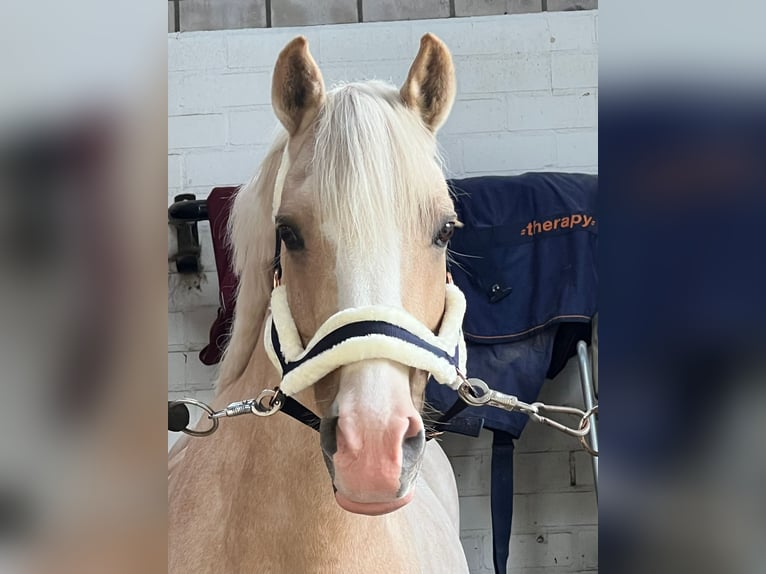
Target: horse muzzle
<point>373,466</point>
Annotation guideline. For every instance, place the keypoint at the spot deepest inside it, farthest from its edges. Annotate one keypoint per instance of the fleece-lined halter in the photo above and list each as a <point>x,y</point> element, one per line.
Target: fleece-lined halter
<point>362,333</point>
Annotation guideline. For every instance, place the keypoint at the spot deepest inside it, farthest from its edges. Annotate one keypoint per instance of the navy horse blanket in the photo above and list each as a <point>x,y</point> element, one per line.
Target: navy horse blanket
<point>526,260</point>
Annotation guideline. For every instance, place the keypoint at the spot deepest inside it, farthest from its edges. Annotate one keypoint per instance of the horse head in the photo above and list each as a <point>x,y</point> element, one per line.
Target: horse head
<point>363,215</point>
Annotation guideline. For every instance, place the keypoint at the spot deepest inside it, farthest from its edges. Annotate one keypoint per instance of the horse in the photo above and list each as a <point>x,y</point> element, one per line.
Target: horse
<point>353,189</point>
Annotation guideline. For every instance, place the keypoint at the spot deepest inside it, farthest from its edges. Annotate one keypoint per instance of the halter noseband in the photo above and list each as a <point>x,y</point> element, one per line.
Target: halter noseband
<point>362,333</point>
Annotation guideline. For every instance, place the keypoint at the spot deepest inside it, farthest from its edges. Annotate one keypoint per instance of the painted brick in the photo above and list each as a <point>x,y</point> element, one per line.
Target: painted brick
<point>595,27</point>
<point>587,548</point>
<point>552,471</point>
<point>366,42</point>
<point>542,472</point>
<point>574,70</point>
<point>260,48</point>
<point>496,7</point>
<point>541,550</point>
<point>556,5</point>
<point>475,116</point>
<point>472,473</point>
<point>230,168</point>
<point>174,170</point>
<point>576,32</point>
<point>174,93</point>
<point>583,469</point>
<point>207,256</point>
<point>176,371</point>
<point>452,152</point>
<point>390,10</point>
<point>502,152</point>
<point>477,545</point>
<point>172,242</point>
<point>209,92</point>
<point>487,36</point>
<point>196,52</point>
<point>253,126</point>
<point>197,326</point>
<point>474,513</point>
<point>176,332</point>
<point>531,511</point>
<point>565,388</point>
<point>200,130</point>
<point>577,148</point>
<point>390,71</point>
<point>537,111</point>
<point>513,73</point>
<point>222,14</point>
<point>187,292</point>
<point>311,12</point>
<point>175,395</point>
<point>458,445</point>
<point>199,376</point>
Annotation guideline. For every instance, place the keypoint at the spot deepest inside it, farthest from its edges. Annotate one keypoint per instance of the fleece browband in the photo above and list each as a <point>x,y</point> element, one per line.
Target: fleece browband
<point>362,333</point>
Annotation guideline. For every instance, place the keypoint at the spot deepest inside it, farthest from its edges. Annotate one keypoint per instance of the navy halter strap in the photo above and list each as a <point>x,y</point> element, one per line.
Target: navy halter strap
<point>360,329</point>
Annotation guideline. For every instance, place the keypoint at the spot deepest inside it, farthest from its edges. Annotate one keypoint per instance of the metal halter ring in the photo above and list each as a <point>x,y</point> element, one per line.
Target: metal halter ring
<point>204,407</point>
<point>583,440</point>
<point>273,405</point>
<point>475,392</point>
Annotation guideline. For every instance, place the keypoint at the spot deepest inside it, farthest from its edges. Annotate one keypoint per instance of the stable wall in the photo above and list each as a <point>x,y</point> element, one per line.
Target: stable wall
<point>527,101</point>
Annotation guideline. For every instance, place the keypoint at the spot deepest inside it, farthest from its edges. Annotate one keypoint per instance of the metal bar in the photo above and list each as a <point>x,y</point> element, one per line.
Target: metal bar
<point>177,15</point>
<point>587,393</point>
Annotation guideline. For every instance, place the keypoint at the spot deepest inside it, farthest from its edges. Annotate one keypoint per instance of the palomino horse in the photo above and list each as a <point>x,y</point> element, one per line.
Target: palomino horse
<point>355,191</point>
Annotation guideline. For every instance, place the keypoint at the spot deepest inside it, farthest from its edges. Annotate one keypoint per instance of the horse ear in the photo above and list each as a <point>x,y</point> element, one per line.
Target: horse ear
<point>430,85</point>
<point>297,88</point>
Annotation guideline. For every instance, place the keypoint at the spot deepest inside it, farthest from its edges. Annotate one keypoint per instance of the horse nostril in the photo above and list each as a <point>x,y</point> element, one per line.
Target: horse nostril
<point>328,435</point>
<point>414,426</point>
<point>412,448</point>
<point>412,457</point>
<point>328,441</point>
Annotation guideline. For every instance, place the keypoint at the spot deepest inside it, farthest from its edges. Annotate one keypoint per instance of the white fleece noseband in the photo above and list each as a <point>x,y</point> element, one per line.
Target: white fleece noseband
<point>362,333</point>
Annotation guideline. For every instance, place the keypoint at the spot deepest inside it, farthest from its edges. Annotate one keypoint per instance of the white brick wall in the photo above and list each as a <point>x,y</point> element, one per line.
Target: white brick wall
<point>527,101</point>
<point>555,516</point>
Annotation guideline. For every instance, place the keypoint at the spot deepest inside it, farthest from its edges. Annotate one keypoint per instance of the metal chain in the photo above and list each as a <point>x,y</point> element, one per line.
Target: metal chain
<point>477,393</point>
<point>254,406</point>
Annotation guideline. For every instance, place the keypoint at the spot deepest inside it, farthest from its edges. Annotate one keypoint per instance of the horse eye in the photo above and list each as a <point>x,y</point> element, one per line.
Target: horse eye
<point>444,234</point>
<point>292,240</point>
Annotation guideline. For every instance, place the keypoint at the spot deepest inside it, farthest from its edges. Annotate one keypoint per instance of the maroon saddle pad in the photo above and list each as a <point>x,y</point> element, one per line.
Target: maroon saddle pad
<point>219,204</point>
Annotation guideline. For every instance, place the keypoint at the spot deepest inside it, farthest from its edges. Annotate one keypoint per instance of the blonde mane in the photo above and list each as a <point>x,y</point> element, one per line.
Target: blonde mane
<point>374,162</point>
